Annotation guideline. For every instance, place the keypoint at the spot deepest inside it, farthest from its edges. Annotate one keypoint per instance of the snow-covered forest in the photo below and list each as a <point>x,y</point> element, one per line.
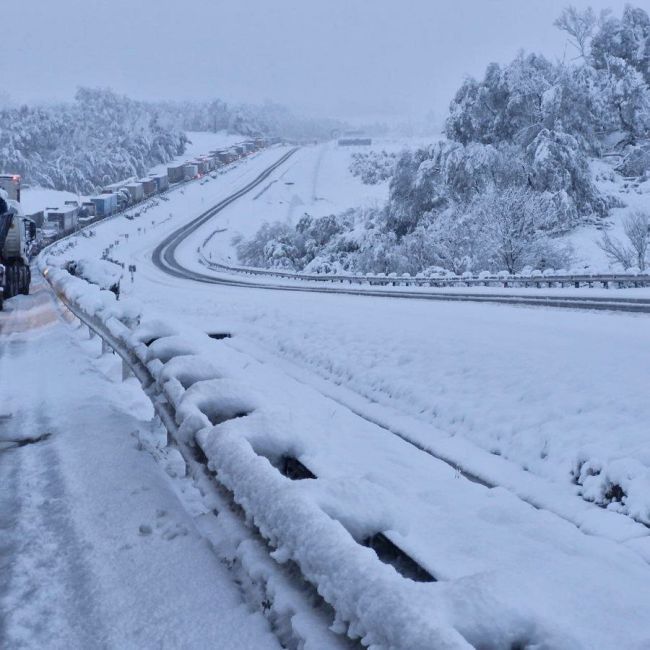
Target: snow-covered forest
<point>80,146</point>
<point>513,174</point>
<point>247,119</point>
<point>102,137</point>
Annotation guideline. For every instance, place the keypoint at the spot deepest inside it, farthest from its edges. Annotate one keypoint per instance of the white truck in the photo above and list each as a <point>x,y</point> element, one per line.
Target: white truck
<point>17,244</point>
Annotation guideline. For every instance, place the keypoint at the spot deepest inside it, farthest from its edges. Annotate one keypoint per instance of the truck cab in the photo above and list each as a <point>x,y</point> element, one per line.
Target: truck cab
<point>17,245</point>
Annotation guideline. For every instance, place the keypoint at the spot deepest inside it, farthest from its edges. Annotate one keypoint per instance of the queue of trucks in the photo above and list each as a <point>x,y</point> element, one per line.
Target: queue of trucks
<point>18,233</point>
<point>121,195</point>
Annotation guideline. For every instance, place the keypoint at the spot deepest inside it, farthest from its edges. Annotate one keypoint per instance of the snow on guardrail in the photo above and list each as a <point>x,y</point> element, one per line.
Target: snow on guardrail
<point>371,600</point>
<point>534,278</point>
<point>205,408</point>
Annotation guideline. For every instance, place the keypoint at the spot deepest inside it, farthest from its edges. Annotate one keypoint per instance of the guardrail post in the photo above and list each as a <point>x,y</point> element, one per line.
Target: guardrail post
<point>91,333</point>
<point>105,347</point>
<point>126,371</point>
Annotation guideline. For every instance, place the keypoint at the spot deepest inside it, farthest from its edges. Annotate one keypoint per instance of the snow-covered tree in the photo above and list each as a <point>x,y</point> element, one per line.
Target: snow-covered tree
<point>626,38</point>
<point>634,252</point>
<point>579,25</point>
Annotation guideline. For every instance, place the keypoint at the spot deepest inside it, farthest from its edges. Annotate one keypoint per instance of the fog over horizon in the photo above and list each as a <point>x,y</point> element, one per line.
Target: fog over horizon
<point>350,59</point>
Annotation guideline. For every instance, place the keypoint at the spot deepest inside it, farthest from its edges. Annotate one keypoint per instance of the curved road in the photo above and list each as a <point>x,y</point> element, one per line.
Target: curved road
<point>164,257</point>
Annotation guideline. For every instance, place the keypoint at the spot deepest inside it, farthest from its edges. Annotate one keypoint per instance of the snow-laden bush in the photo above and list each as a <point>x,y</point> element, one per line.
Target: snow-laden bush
<point>636,161</point>
<point>373,167</point>
<point>500,228</point>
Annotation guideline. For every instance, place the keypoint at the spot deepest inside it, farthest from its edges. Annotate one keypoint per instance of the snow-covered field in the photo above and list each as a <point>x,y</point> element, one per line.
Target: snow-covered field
<point>316,181</point>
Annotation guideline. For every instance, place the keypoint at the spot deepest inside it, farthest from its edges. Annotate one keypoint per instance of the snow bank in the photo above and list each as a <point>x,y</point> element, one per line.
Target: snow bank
<point>90,298</point>
<point>372,601</point>
<point>100,272</point>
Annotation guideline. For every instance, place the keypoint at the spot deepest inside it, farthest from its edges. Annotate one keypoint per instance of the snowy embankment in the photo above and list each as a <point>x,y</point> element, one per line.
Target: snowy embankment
<point>248,416</point>
<point>633,194</point>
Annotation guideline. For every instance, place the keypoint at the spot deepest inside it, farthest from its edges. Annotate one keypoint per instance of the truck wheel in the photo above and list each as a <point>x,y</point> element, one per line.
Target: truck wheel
<point>24,280</point>
<point>16,282</point>
<point>10,283</point>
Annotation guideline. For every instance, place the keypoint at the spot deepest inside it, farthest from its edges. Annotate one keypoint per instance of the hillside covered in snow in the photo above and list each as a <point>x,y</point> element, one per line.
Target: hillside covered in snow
<point>535,152</point>
<point>102,137</point>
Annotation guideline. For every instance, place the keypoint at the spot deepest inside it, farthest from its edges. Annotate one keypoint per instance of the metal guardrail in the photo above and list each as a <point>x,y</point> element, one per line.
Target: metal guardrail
<point>502,281</point>
<point>386,550</point>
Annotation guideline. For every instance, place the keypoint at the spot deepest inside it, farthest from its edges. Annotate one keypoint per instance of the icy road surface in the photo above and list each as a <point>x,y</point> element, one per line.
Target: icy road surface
<point>96,550</point>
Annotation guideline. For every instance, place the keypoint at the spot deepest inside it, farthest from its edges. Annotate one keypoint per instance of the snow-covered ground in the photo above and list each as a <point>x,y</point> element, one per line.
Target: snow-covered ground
<point>543,389</point>
<point>520,397</point>
<point>634,194</point>
<point>97,548</point>
<point>316,180</point>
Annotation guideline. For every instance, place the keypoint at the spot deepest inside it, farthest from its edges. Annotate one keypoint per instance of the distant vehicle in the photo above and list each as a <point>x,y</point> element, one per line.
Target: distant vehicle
<point>149,186</point>
<point>191,170</point>
<point>10,183</point>
<point>17,243</point>
<point>176,173</point>
<point>65,219</point>
<point>105,204</point>
<point>136,190</point>
<point>355,142</point>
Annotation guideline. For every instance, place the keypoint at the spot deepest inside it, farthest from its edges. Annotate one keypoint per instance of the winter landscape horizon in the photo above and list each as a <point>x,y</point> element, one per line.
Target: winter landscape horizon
<point>325,325</point>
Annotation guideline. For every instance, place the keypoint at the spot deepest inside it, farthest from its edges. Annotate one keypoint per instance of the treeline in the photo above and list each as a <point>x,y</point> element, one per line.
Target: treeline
<point>102,137</point>
<point>248,119</point>
<point>513,173</point>
<point>99,138</point>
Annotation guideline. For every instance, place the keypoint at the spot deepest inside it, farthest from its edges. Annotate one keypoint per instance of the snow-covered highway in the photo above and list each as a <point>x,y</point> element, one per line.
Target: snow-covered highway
<point>383,399</point>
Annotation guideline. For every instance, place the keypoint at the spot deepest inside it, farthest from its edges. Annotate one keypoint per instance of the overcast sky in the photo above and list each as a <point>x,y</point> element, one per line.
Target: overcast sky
<point>345,58</point>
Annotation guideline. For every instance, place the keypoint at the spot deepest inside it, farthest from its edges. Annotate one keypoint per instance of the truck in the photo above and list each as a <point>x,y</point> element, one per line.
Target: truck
<point>105,204</point>
<point>149,186</point>
<point>10,183</point>
<point>162,182</point>
<point>136,190</point>
<point>191,170</point>
<point>17,244</point>
<point>64,219</point>
<point>176,173</point>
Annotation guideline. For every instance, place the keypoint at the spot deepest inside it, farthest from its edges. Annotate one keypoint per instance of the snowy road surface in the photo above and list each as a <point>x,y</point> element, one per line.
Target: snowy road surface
<point>96,550</point>
<point>523,396</point>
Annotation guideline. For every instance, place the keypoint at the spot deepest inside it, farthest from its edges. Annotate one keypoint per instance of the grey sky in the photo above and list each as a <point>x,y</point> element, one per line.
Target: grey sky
<point>336,57</point>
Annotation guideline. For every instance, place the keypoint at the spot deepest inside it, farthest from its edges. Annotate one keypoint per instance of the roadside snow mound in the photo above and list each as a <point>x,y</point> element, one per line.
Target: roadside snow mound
<point>100,272</point>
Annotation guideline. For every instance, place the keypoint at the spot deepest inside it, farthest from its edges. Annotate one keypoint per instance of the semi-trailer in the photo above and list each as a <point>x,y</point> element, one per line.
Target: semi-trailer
<point>105,204</point>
